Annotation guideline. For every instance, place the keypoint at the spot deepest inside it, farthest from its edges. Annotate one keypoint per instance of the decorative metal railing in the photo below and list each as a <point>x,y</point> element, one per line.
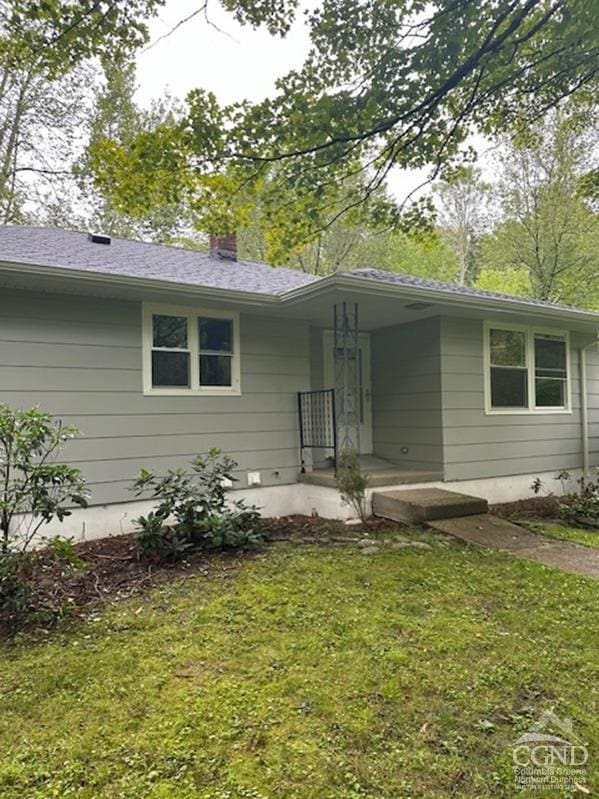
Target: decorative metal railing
<point>317,421</point>
<point>347,361</point>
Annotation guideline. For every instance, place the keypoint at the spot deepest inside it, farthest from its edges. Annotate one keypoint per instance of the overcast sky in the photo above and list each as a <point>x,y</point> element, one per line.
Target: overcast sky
<point>234,62</point>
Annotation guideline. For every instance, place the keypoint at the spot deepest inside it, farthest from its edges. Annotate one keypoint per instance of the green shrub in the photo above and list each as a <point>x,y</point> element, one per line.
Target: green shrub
<point>582,506</point>
<point>577,507</point>
<point>156,540</point>
<point>352,484</point>
<point>16,589</point>
<point>31,583</point>
<point>63,549</point>
<point>192,512</point>
<point>34,489</point>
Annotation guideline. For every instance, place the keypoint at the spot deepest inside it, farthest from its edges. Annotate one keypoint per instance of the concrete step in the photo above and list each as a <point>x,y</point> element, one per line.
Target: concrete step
<point>419,505</point>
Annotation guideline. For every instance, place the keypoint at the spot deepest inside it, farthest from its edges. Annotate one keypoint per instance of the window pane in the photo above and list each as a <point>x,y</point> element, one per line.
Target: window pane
<point>509,388</point>
<point>170,369</point>
<point>550,393</point>
<point>216,335</point>
<point>508,348</point>
<point>550,356</point>
<point>170,331</point>
<point>215,370</point>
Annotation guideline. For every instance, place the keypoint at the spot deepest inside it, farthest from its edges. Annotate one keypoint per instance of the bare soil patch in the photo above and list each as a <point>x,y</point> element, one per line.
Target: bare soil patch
<point>315,528</point>
<point>532,508</point>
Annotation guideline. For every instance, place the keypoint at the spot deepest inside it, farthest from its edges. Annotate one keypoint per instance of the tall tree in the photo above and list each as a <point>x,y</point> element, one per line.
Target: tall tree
<point>462,198</point>
<point>115,113</point>
<point>40,123</point>
<point>343,244</point>
<point>45,79</point>
<point>548,230</point>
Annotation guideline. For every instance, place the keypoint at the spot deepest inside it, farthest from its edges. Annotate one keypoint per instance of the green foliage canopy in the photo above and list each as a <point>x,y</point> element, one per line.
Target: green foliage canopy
<point>58,34</point>
<point>397,83</point>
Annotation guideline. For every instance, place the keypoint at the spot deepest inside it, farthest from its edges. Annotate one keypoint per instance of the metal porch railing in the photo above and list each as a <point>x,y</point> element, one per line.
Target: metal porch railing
<point>317,422</point>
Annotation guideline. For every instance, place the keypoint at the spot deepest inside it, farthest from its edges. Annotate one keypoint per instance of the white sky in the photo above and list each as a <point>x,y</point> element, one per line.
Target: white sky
<point>235,62</point>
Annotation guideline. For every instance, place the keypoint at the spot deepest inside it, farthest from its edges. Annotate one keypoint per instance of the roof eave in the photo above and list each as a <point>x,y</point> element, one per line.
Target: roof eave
<point>440,297</point>
<point>127,281</point>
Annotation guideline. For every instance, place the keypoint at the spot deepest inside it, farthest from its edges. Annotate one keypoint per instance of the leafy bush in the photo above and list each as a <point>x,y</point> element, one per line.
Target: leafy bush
<point>352,484</point>
<point>63,549</point>
<point>580,506</point>
<point>31,583</point>
<point>16,589</point>
<point>155,539</point>
<point>34,489</point>
<point>192,511</point>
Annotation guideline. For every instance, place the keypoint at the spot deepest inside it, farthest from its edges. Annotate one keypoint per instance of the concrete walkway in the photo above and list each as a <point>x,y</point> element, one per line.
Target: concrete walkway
<point>491,531</point>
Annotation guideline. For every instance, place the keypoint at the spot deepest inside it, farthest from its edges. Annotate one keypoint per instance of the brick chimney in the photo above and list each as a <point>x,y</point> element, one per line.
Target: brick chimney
<point>224,246</point>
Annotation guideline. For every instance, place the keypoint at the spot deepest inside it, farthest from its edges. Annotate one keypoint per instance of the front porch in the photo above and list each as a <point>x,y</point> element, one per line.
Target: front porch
<point>376,391</point>
<point>380,472</point>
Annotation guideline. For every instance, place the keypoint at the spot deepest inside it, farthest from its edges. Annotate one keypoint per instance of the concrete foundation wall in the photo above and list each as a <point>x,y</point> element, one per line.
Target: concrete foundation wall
<point>300,498</point>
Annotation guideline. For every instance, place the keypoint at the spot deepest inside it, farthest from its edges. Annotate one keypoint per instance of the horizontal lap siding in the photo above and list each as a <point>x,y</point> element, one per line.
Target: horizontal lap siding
<point>593,404</point>
<point>80,358</point>
<point>480,445</point>
<point>406,394</point>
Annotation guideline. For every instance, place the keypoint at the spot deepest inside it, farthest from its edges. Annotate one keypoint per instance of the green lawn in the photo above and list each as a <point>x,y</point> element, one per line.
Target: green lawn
<point>565,532</point>
<point>305,673</point>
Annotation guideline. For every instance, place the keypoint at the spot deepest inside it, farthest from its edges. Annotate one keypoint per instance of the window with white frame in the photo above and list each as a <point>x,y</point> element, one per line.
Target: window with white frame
<point>190,351</point>
<point>527,369</point>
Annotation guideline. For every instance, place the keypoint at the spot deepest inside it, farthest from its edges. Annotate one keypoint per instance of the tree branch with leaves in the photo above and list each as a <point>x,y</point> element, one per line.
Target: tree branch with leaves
<point>396,83</point>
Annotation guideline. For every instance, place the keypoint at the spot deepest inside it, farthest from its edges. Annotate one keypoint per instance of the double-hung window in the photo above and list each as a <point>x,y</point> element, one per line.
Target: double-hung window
<point>551,370</point>
<point>189,351</point>
<point>526,370</point>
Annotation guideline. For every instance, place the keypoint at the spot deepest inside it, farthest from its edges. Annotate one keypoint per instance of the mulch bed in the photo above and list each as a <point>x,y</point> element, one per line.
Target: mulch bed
<point>112,567</point>
<point>535,507</point>
<point>308,528</point>
<point>113,570</point>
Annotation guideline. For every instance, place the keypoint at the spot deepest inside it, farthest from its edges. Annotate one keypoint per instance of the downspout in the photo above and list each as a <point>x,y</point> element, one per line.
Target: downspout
<point>584,408</point>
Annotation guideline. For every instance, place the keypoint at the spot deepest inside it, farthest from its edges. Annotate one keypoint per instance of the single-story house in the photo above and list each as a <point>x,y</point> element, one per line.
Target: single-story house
<point>158,353</point>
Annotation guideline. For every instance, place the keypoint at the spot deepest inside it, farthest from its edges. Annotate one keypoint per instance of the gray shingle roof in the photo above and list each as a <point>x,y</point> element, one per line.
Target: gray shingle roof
<point>397,278</point>
<point>72,250</point>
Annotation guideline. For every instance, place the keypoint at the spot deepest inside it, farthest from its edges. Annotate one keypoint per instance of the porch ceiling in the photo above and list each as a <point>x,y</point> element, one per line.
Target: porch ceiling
<point>373,311</point>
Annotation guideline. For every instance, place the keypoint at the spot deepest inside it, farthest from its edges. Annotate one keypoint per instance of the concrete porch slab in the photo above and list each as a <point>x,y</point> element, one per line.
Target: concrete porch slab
<point>420,505</point>
<point>380,477</point>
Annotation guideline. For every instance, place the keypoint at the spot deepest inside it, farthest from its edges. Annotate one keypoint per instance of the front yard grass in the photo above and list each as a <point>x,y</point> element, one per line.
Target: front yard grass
<point>565,532</point>
<point>305,673</point>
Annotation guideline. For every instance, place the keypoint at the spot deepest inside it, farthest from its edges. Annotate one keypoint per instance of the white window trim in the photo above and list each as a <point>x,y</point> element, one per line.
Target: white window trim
<point>191,314</point>
<point>530,366</point>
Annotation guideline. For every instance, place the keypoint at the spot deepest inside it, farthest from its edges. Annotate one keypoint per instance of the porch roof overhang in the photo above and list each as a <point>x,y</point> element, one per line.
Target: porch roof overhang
<point>382,304</point>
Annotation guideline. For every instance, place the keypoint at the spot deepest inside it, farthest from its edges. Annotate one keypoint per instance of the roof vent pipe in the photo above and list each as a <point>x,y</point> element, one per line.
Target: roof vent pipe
<point>98,238</point>
<point>224,246</point>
